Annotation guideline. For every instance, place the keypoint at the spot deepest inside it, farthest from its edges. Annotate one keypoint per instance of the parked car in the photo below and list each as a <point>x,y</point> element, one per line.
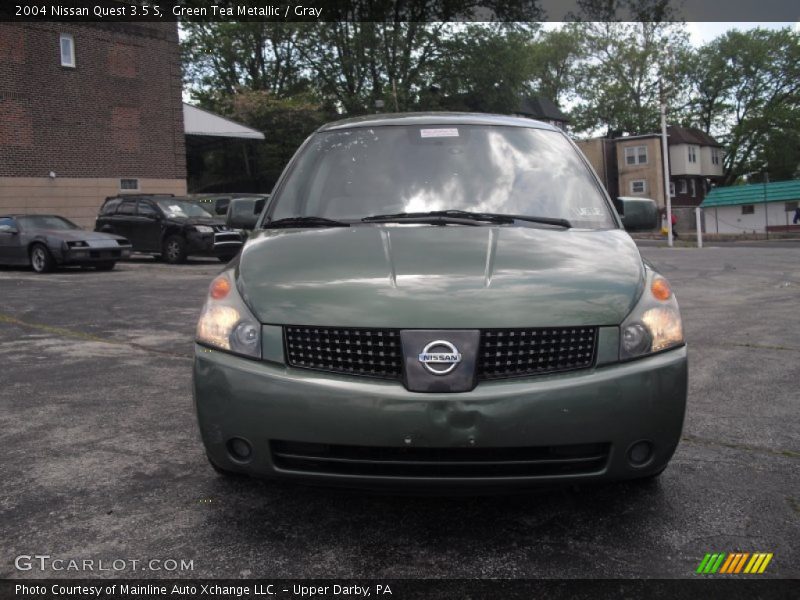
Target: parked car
<point>168,226</point>
<point>218,204</point>
<point>243,213</point>
<point>47,241</point>
<point>442,300</point>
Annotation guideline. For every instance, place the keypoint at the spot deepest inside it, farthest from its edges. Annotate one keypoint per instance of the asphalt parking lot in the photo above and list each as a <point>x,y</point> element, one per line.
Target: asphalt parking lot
<point>102,459</point>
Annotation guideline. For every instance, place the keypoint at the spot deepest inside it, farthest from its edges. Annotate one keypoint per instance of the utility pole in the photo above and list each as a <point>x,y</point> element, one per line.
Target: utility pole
<point>665,165</point>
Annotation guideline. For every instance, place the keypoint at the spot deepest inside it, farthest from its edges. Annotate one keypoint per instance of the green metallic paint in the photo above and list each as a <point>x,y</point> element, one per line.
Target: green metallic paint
<point>607,346</point>
<point>429,277</point>
<point>272,343</point>
<point>619,404</point>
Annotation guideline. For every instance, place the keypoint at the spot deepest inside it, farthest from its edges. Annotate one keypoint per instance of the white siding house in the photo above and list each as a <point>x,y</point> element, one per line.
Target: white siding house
<point>753,208</point>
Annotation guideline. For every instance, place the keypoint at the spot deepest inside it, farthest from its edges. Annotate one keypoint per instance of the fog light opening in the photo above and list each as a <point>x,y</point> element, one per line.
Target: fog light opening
<point>640,453</point>
<point>239,449</point>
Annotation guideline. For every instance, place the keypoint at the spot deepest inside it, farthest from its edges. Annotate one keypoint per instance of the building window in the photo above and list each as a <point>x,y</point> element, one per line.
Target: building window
<point>715,156</point>
<point>638,186</point>
<point>671,188</point>
<point>692,154</point>
<point>681,186</point>
<point>693,187</point>
<point>791,206</point>
<point>636,155</point>
<point>129,184</point>
<point>748,209</point>
<point>67,45</point>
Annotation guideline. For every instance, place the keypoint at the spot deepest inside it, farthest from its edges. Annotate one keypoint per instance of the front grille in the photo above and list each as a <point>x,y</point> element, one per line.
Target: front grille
<point>105,254</point>
<point>503,353</point>
<point>523,352</point>
<point>370,352</point>
<point>227,237</point>
<point>382,461</point>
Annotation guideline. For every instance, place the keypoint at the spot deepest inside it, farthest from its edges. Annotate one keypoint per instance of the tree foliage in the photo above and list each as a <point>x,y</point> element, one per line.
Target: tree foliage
<point>286,78</point>
<point>628,69</point>
<point>746,91</point>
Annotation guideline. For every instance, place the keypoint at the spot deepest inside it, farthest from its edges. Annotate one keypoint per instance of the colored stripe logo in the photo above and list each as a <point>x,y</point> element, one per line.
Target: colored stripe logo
<point>733,563</point>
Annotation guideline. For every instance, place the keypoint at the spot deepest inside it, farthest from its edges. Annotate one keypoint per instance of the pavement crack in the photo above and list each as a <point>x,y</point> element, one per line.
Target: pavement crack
<point>765,347</point>
<point>87,337</point>
<point>756,449</point>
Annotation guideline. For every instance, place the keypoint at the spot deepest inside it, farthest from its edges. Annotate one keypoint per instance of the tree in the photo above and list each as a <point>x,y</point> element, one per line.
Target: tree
<point>555,56</point>
<point>746,92</point>
<point>485,68</point>
<point>355,64</point>
<point>628,68</point>
<point>227,56</point>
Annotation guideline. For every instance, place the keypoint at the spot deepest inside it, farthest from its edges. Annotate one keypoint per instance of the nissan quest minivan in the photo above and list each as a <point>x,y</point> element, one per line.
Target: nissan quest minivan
<point>441,300</point>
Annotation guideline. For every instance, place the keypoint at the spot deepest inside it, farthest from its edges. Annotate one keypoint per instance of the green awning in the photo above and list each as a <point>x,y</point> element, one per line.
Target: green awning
<point>776,191</point>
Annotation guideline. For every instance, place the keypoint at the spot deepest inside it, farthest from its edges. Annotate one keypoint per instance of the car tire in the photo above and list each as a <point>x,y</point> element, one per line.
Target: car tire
<point>227,258</point>
<point>105,265</point>
<point>41,259</point>
<point>174,250</point>
<point>221,471</point>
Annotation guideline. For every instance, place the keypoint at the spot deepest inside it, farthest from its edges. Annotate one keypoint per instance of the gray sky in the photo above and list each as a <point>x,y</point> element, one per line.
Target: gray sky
<point>704,32</point>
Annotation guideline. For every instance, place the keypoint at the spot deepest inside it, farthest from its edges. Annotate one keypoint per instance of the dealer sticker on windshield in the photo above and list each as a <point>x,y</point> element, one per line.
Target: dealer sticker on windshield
<point>589,211</point>
<point>441,132</point>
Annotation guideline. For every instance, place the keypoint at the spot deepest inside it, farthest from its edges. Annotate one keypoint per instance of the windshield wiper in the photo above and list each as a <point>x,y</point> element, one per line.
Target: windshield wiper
<point>545,220</point>
<point>306,222</point>
<point>440,216</point>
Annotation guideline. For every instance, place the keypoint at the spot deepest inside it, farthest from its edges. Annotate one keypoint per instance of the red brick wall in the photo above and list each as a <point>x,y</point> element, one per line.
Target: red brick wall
<point>117,114</point>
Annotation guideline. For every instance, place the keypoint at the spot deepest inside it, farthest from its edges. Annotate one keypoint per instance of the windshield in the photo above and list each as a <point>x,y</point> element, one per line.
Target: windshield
<point>182,209</point>
<point>361,172</point>
<point>45,222</point>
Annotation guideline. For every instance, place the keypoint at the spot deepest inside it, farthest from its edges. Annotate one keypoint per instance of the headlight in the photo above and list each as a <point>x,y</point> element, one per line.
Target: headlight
<point>78,244</point>
<point>203,229</point>
<point>654,324</point>
<point>226,323</point>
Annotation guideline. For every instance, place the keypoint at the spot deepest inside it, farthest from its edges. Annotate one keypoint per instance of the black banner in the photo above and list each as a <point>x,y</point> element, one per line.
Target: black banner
<point>397,10</point>
<point>746,588</point>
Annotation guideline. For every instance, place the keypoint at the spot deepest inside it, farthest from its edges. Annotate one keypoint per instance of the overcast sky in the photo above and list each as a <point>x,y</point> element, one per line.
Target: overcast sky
<point>703,32</point>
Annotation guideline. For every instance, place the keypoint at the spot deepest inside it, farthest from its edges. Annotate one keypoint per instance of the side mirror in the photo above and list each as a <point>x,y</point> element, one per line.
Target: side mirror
<point>638,214</point>
<point>8,229</point>
<point>242,213</point>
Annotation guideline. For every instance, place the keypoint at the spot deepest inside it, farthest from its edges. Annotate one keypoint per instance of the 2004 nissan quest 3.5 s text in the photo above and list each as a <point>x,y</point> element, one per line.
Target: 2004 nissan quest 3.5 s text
<point>441,300</point>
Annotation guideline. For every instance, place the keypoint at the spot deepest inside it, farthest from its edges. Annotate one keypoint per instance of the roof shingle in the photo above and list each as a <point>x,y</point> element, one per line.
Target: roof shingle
<point>776,191</point>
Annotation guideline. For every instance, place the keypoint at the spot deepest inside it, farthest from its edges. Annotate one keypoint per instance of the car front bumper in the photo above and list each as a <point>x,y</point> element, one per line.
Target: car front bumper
<point>371,426</point>
<point>81,256</point>
<point>226,243</point>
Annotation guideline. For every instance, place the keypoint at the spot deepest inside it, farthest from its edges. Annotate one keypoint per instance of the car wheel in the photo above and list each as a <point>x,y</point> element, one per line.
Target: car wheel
<point>105,265</point>
<point>41,259</point>
<point>221,471</point>
<point>174,251</point>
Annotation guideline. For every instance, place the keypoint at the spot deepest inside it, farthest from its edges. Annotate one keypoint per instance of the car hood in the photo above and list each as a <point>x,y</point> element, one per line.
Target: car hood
<point>75,235</point>
<point>429,277</point>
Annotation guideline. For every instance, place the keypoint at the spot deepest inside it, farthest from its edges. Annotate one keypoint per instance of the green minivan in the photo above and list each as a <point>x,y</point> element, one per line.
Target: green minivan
<point>442,300</point>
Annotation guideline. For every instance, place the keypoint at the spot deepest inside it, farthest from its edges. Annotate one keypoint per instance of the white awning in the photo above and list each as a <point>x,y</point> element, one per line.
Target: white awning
<point>197,121</point>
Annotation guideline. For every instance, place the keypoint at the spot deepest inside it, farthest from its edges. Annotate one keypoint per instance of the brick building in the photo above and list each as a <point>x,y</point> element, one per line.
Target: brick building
<point>86,111</point>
